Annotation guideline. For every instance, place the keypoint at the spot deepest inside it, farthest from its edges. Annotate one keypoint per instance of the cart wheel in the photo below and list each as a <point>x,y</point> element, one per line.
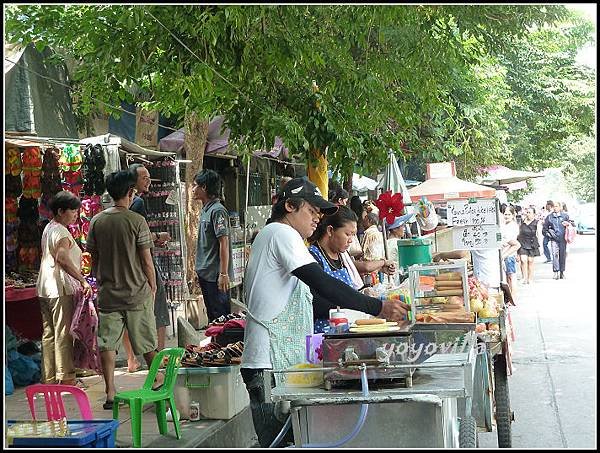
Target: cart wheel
<point>502,398</point>
<point>467,433</point>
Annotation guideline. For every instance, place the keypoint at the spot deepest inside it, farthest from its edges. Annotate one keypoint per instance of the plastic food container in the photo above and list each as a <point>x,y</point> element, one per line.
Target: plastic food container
<point>304,379</point>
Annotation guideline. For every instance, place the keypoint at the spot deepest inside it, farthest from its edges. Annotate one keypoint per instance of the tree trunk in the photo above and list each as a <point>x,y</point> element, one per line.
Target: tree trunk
<point>347,185</point>
<point>196,132</point>
<point>318,174</point>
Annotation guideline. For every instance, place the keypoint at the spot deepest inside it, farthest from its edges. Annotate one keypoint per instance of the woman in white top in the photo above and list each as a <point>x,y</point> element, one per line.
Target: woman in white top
<point>58,278</point>
<point>510,245</point>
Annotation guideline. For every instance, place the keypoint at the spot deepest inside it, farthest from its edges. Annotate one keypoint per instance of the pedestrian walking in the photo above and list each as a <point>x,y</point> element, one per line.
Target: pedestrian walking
<point>554,229</point>
<point>546,239</point>
<point>214,264</point>
<point>59,278</point>
<point>119,241</point>
<point>510,245</point>
<point>530,247</point>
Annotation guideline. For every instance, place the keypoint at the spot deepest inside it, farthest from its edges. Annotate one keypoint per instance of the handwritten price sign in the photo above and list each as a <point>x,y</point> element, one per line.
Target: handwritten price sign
<point>476,237</point>
<point>465,212</point>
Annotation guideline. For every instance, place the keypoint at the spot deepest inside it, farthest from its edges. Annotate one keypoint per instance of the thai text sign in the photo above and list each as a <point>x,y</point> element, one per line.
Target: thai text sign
<point>476,237</point>
<point>469,212</point>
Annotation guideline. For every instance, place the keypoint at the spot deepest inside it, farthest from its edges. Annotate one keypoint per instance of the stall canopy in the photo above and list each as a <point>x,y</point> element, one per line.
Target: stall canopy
<point>451,187</point>
<point>500,175</point>
<point>363,183</point>
<point>217,142</point>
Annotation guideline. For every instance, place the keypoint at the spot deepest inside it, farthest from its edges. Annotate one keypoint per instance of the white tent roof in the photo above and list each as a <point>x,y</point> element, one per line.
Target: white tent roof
<point>363,183</point>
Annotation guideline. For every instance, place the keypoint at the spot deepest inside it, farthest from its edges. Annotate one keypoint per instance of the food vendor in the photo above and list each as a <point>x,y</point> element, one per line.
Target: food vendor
<point>279,278</point>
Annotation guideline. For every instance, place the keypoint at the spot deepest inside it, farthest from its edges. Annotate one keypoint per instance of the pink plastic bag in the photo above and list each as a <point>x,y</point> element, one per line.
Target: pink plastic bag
<point>570,234</point>
<point>84,330</point>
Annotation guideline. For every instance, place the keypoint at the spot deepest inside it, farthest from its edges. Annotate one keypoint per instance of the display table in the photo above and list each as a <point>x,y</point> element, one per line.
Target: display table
<point>23,313</point>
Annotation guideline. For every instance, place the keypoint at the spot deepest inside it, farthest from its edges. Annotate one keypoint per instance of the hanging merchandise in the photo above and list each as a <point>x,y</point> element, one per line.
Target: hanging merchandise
<point>32,170</point>
<point>11,207</point>
<point>163,216</point>
<point>13,160</point>
<point>86,263</point>
<point>70,158</point>
<point>71,181</point>
<point>94,162</point>
<point>32,161</point>
<point>51,183</point>
<point>44,208</point>
<point>14,186</point>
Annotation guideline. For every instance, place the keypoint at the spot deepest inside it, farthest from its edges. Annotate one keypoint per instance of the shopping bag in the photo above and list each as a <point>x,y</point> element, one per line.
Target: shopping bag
<point>570,233</point>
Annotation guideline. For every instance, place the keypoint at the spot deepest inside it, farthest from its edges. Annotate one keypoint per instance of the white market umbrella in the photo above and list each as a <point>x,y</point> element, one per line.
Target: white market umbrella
<point>392,179</point>
<point>500,175</point>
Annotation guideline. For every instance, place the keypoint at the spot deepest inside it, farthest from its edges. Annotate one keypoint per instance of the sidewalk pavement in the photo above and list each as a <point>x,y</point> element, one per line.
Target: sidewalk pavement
<point>237,432</point>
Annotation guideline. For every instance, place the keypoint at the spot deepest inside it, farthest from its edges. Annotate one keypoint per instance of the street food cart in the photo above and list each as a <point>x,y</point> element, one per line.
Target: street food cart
<point>406,388</point>
<point>474,217</point>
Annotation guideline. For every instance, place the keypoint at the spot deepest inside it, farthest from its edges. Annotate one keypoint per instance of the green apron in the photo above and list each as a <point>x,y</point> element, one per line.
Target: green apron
<point>287,331</point>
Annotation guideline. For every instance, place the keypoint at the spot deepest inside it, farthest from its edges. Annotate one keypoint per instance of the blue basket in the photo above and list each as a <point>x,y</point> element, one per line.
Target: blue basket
<point>83,434</point>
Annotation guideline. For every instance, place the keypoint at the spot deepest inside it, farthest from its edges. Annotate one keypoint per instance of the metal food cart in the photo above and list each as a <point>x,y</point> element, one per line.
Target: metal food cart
<point>405,400</point>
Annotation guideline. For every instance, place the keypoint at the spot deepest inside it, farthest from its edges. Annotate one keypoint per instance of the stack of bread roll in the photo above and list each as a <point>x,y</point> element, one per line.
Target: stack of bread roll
<point>448,284</point>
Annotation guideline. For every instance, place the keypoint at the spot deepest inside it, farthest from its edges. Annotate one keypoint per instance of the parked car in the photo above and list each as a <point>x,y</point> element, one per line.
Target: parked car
<point>586,224</point>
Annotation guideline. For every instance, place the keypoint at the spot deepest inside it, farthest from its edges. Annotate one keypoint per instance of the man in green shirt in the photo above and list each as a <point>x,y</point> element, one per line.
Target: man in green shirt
<point>119,241</point>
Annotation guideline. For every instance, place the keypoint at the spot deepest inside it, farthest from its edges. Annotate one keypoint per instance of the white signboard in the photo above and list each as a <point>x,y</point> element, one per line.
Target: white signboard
<point>465,212</point>
<point>476,237</point>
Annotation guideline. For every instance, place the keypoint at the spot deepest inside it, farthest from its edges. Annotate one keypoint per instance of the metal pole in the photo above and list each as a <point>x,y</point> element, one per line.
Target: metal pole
<point>182,242</point>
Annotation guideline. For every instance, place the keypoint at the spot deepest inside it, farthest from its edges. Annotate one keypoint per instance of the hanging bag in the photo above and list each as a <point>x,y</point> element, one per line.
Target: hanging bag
<point>570,233</point>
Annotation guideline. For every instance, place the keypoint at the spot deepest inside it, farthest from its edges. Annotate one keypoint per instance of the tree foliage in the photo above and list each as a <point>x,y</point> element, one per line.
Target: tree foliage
<point>433,82</point>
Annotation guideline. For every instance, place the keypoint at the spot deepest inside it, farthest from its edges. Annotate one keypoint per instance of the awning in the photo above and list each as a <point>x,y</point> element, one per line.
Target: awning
<point>439,189</point>
<point>124,145</point>
<point>498,174</point>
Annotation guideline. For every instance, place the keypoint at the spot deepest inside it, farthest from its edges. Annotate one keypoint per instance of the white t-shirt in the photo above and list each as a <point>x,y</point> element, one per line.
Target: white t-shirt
<point>53,281</point>
<point>277,251</point>
<point>486,266</point>
<point>510,232</point>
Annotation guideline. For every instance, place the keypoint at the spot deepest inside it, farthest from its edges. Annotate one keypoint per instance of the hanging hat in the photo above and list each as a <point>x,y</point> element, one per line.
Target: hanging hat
<point>399,221</point>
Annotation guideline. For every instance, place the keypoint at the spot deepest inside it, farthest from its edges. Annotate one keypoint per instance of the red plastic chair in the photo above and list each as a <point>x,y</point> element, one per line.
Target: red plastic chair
<point>55,408</point>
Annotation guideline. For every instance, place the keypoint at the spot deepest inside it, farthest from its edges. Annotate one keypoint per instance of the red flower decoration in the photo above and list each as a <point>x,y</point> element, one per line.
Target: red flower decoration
<point>390,206</point>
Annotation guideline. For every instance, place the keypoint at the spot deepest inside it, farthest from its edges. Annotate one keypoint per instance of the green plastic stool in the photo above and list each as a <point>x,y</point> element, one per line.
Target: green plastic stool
<point>136,399</point>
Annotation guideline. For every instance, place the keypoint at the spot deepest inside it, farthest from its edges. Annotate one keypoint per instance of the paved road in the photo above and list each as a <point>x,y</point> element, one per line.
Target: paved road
<point>553,386</point>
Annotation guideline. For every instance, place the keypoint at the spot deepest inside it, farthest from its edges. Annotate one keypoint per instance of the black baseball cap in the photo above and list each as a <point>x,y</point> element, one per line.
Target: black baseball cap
<point>305,189</point>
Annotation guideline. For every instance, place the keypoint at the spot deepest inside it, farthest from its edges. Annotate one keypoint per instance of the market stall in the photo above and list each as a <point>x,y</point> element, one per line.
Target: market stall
<point>382,385</point>
<point>473,220</point>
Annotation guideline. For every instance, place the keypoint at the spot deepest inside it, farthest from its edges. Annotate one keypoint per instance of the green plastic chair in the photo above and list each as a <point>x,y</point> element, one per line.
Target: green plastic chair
<point>136,399</point>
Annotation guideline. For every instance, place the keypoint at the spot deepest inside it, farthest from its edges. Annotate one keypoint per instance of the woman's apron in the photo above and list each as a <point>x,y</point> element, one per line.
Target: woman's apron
<point>288,330</point>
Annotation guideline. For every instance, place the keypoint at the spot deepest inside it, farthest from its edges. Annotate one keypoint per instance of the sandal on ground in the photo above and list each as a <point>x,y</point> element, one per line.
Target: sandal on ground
<point>108,405</point>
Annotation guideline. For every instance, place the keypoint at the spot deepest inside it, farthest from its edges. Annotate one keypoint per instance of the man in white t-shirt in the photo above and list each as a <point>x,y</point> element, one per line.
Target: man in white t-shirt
<point>280,277</point>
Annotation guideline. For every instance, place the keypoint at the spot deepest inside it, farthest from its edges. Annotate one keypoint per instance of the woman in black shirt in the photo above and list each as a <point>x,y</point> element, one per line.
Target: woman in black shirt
<point>530,247</point>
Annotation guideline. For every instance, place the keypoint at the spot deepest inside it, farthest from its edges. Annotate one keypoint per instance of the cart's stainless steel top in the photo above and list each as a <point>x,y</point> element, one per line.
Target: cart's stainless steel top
<point>448,379</point>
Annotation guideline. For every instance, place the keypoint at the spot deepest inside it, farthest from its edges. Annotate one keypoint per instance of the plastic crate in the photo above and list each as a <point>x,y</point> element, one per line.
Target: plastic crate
<point>82,434</point>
